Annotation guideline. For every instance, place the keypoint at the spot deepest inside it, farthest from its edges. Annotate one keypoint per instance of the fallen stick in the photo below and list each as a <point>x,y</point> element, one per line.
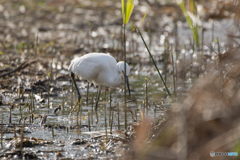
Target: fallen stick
<point>22,66</point>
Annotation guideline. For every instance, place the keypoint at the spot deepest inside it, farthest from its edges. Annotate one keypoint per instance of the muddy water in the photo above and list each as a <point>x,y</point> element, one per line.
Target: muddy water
<point>67,131</point>
<point>64,137</point>
<point>68,140</point>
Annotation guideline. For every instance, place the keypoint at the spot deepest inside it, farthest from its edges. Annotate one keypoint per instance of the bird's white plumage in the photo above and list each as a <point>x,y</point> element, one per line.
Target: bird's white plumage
<point>100,69</point>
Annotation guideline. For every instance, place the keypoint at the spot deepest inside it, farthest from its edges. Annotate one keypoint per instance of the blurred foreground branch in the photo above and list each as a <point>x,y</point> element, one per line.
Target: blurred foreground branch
<point>22,66</point>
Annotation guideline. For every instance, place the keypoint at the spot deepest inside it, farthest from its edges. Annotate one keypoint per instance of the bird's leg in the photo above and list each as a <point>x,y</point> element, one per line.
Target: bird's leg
<point>99,92</point>
<point>79,96</point>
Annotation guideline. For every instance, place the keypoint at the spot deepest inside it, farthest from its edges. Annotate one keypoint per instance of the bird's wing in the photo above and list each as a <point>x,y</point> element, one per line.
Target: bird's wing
<point>85,68</point>
<point>94,67</point>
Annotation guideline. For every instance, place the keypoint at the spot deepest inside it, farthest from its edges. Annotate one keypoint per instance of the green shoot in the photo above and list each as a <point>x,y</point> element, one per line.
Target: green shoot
<point>153,60</point>
<point>126,14</point>
<point>193,26</point>
<point>127,10</point>
<point>217,41</point>
<point>174,82</point>
<point>143,18</point>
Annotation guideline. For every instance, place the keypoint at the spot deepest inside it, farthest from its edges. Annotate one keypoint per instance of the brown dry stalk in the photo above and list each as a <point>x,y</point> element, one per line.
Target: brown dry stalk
<point>22,66</point>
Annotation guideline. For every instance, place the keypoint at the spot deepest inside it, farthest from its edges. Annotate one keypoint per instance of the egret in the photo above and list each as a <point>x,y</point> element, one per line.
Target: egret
<point>100,69</point>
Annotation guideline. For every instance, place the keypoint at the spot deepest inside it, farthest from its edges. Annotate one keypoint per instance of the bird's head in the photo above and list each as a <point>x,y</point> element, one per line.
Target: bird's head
<point>120,66</point>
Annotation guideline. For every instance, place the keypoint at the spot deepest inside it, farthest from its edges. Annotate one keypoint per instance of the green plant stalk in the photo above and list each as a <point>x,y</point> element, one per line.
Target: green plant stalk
<point>72,95</point>
<point>191,66</point>
<point>89,123</point>
<point>143,106</point>
<point>154,119</point>
<point>78,114</point>
<point>30,119</point>
<point>131,47</point>
<point>218,46</point>
<point>19,96</point>
<point>2,131</point>
<point>111,120</point>
<point>105,119</point>
<point>79,110</point>
<point>113,45</point>
<point>33,103</point>
<point>63,100</point>
<point>165,61</point>
<point>184,60</point>
<point>125,89</point>
<point>48,92</point>
<point>25,105</point>
<point>176,44</point>
<point>126,14</point>
<point>22,136</point>
<point>174,83</point>
<point>202,45</point>
<point>56,71</point>
<point>10,115</point>
<point>105,95</point>
<point>143,18</point>
<point>136,109</point>
<point>212,30</point>
<point>87,94</point>
<point>146,102</point>
<point>52,131</point>
<point>29,111</point>
<point>31,95</point>
<point>150,35</point>
<point>110,107</point>
<point>36,45</point>
<point>92,109</point>
<point>51,78</point>
<point>14,127</point>
<point>176,38</point>
<point>190,23</point>
<point>153,61</point>
<point>118,118</point>
<point>32,99</point>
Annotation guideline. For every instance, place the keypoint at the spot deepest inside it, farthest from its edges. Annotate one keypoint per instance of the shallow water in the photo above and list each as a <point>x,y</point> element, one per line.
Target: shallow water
<point>67,136</point>
<point>78,38</point>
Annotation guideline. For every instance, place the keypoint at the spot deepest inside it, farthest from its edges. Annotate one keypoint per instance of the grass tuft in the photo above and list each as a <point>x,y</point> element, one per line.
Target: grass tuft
<point>127,10</point>
<point>191,18</point>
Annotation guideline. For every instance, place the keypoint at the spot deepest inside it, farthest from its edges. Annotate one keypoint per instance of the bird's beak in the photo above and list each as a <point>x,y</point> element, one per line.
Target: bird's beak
<point>128,86</point>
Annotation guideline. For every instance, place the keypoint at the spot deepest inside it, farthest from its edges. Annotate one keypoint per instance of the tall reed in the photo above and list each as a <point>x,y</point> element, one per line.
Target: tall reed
<point>153,60</point>
<point>48,90</point>
<point>126,14</point>
<point>192,19</point>
<point>174,78</point>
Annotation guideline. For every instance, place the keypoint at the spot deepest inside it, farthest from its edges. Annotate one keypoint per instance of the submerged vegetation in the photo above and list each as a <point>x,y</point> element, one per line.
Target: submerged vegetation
<point>191,46</point>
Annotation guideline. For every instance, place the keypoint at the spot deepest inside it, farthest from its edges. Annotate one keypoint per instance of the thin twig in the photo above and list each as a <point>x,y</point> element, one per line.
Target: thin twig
<point>211,49</point>
<point>22,66</point>
<point>233,36</point>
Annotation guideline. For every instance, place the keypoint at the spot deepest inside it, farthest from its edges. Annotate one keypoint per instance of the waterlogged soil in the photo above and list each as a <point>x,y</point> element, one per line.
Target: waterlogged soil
<point>40,117</point>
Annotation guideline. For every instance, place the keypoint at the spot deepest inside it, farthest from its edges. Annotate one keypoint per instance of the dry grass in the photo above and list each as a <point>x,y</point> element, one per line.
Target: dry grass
<point>207,120</point>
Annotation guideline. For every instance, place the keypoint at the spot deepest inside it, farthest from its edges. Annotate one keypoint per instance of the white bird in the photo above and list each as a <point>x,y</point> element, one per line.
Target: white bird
<point>100,69</point>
